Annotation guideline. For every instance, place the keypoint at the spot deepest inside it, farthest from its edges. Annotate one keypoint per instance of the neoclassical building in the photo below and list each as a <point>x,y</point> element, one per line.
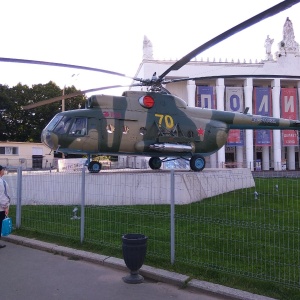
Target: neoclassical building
<point>270,87</point>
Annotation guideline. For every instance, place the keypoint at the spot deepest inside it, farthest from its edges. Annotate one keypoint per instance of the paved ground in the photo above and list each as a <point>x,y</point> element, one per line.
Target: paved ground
<point>31,270</point>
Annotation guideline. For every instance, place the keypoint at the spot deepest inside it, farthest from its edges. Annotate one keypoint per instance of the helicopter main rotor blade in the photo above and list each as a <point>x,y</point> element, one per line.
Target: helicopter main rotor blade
<point>55,99</point>
<point>253,20</point>
<point>53,64</point>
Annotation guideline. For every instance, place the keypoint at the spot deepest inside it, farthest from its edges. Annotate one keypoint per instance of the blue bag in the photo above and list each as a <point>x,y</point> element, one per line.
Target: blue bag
<point>6,226</point>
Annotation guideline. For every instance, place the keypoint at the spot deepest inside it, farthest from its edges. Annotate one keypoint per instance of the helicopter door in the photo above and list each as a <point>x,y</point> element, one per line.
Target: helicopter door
<point>90,140</point>
<point>110,135</point>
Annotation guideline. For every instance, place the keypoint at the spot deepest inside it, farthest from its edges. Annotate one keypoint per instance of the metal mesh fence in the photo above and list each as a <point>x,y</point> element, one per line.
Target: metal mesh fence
<point>250,232</point>
<point>225,220</point>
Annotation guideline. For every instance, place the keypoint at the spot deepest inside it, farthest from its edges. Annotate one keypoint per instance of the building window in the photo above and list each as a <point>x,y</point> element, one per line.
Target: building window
<point>37,151</point>
<point>9,150</point>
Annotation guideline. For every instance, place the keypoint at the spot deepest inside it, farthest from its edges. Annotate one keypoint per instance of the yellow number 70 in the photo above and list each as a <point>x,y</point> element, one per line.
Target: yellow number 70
<point>167,119</point>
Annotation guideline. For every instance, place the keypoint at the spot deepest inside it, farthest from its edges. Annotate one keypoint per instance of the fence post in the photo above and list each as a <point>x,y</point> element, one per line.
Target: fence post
<point>82,204</point>
<point>19,198</point>
<point>172,220</point>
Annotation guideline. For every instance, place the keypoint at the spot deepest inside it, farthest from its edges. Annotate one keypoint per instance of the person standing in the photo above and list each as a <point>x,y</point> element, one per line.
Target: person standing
<point>4,200</point>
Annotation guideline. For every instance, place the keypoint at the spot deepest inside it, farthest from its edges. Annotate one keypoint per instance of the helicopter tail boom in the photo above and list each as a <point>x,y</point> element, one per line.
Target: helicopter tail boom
<point>242,121</point>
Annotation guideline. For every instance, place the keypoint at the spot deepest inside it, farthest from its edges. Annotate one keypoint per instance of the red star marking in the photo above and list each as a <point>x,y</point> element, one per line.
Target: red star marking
<point>200,131</point>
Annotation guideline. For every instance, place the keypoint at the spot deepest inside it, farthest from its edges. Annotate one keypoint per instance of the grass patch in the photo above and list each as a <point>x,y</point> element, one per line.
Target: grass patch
<point>235,239</point>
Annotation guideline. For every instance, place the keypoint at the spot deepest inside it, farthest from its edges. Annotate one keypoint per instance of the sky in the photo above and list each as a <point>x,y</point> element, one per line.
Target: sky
<point>109,35</point>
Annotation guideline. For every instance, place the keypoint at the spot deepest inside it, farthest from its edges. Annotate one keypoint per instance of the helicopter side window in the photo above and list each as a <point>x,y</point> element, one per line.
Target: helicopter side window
<point>143,131</point>
<point>79,126</point>
<point>125,129</point>
<point>63,125</point>
<point>110,128</point>
<point>190,134</point>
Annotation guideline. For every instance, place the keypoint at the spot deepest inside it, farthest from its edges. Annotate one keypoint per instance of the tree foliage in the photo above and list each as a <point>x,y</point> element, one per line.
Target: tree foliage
<point>21,125</point>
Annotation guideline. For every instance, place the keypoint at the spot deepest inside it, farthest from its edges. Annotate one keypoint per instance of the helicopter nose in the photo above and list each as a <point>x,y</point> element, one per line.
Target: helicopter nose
<point>46,139</point>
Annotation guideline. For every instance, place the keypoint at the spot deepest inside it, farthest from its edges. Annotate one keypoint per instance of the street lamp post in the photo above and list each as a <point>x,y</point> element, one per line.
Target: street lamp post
<point>63,99</point>
<point>63,93</point>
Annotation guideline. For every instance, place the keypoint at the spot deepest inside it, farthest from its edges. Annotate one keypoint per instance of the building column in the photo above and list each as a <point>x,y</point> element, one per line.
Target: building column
<point>213,160</point>
<point>291,162</point>
<point>265,158</point>
<point>248,91</point>
<point>239,156</point>
<point>276,133</point>
<point>191,92</point>
<point>220,88</point>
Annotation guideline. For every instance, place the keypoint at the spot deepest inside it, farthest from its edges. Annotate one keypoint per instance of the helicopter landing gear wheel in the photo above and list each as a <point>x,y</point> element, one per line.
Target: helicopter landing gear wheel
<point>197,163</point>
<point>94,167</point>
<point>155,163</point>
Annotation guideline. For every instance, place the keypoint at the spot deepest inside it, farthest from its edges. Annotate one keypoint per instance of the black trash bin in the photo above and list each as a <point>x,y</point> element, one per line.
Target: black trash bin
<point>134,248</point>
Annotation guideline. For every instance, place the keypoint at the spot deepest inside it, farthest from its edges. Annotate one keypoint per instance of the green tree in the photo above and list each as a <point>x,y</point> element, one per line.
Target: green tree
<point>26,125</point>
<point>4,106</point>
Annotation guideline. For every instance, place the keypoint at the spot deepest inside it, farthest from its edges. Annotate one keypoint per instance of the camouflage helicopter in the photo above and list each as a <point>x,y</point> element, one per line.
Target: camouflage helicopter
<point>151,123</point>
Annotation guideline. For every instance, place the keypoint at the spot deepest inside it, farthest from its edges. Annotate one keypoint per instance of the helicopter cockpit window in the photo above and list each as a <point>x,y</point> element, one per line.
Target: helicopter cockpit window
<point>63,125</point>
<point>54,121</point>
<point>79,126</point>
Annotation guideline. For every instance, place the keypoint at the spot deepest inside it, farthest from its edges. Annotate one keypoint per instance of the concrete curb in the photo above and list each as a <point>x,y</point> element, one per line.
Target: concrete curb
<point>146,271</point>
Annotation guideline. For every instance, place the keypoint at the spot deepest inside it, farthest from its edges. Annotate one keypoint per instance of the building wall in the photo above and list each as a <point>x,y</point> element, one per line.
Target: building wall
<point>27,155</point>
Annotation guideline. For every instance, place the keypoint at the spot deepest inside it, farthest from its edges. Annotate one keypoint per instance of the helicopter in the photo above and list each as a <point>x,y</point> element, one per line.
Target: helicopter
<point>152,123</point>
